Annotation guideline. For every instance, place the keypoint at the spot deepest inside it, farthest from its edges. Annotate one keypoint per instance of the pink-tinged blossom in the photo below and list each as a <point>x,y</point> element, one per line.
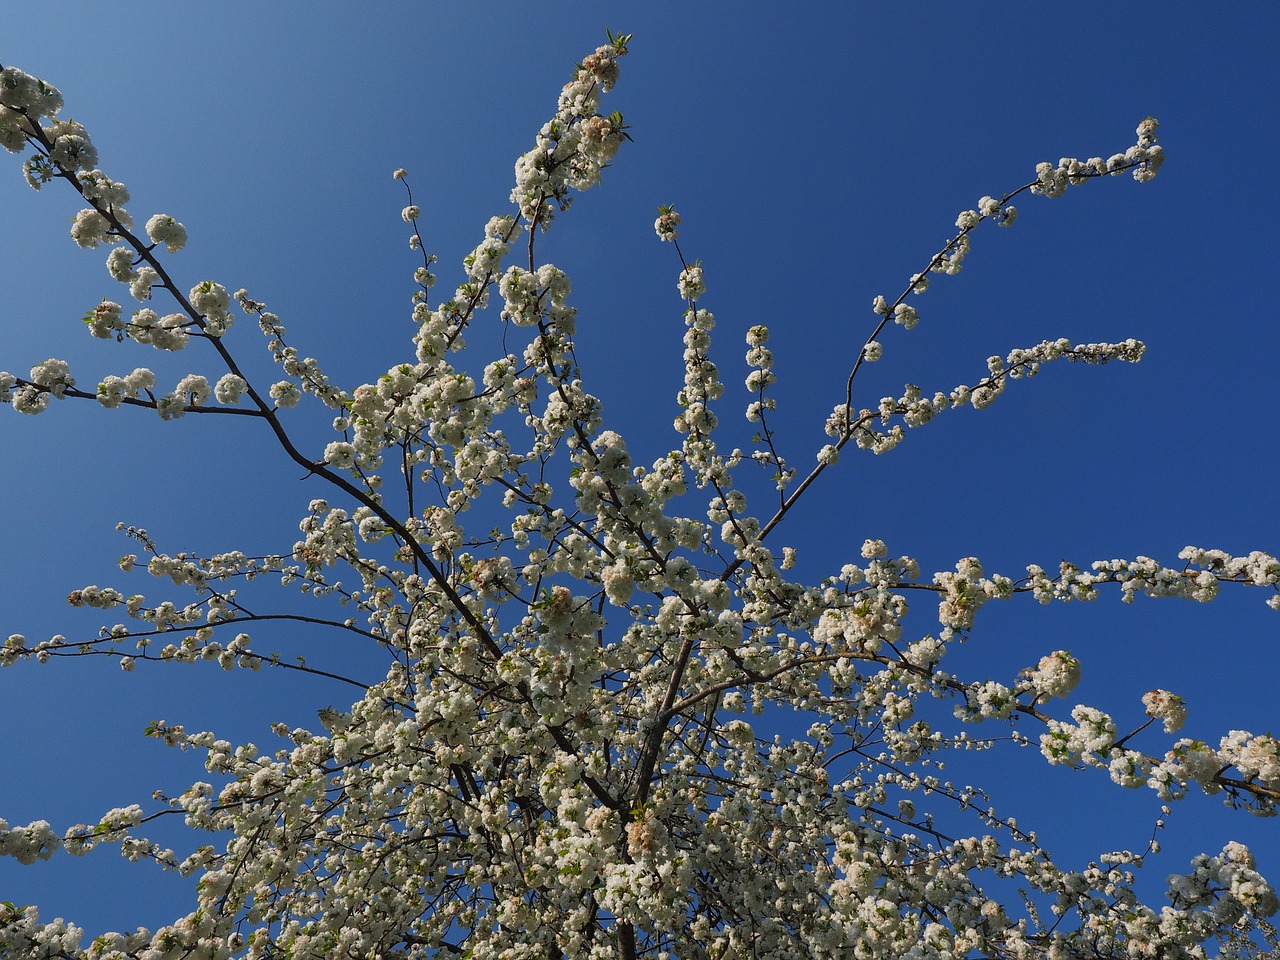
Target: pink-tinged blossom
<point>666,224</point>
<point>1166,707</point>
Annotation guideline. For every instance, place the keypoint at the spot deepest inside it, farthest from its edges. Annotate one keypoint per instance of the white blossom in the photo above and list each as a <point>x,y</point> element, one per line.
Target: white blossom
<point>163,228</point>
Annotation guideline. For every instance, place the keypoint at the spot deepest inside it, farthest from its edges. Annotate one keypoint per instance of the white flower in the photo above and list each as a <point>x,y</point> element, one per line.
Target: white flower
<point>162,228</point>
<point>120,264</point>
<point>665,225</point>
<point>906,315</point>
<point>340,454</point>
<point>1055,675</point>
<point>29,400</point>
<point>1166,706</point>
<point>194,389</point>
<point>229,389</point>
<point>1129,769</point>
<point>143,279</point>
<point>171,406</point>
<point>105,321</point>
<point>1255,757</point>
<point>53,375</point>
<point>90,228</point>
<point>141,379</point>
<point>214,302</point>
<point>692,284</point>
<point>410,213</point>
<point>169,332</point>
<point>285,393</point>
<point>872,549</point>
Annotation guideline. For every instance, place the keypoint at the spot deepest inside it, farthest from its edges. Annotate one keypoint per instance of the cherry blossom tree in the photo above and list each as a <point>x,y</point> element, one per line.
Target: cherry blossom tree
<point>610,723</point>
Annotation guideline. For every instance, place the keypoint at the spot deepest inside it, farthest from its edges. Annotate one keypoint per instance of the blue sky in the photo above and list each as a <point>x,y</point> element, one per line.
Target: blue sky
<point>818,153</point>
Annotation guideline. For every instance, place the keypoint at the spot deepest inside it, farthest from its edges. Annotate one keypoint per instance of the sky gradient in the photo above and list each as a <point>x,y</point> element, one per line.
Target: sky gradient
<point>819,155</point>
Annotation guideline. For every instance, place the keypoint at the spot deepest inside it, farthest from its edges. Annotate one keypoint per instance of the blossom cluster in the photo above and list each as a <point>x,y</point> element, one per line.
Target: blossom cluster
<point>1144,158</point>
<point>574,146</point>
<point>915,409</point>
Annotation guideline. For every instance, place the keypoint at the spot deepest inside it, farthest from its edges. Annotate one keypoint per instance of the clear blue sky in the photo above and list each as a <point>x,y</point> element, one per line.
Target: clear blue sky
<point>819,153</point>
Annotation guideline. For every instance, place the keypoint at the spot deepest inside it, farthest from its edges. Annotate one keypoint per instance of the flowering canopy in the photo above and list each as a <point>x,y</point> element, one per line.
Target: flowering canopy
<point>570,751</point>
